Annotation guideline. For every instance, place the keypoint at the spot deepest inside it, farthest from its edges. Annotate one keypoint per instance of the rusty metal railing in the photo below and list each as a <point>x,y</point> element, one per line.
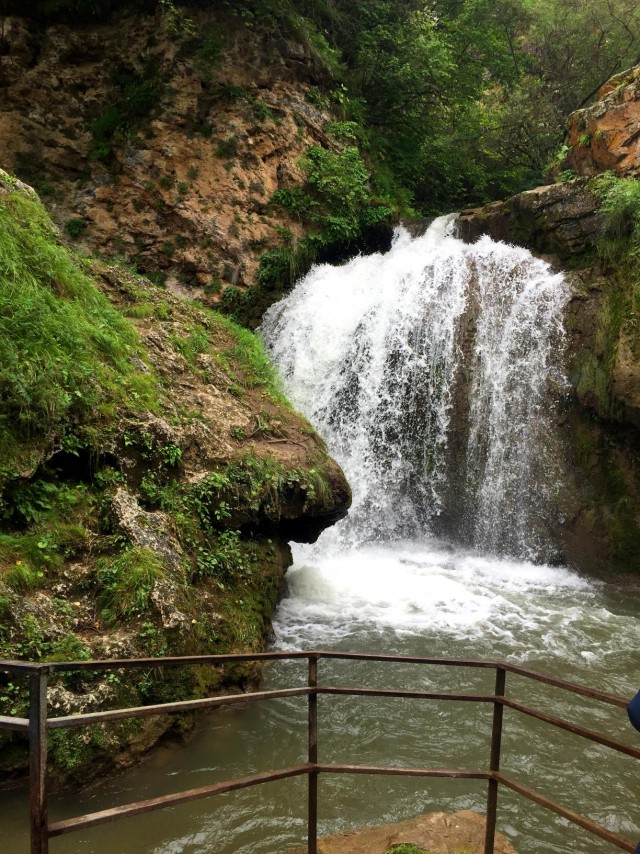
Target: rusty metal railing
<point>37,725</point>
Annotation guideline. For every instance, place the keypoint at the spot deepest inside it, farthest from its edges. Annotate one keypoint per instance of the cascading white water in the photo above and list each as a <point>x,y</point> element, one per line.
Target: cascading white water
<point>430,372</point>
<point>426,369</point>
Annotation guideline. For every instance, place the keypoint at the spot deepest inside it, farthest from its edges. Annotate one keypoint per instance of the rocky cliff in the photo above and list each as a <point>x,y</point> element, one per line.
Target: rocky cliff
<point>152,478</point>
<point>599,529</point>
<point>164,142</point>
<point>605,135</point>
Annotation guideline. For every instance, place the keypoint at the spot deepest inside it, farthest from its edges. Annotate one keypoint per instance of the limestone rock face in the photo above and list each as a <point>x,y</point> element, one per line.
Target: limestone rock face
<point>181,187</point>
<point>606,135</point>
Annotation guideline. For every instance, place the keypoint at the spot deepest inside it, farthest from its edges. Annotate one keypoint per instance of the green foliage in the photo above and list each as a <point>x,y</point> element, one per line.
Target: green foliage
<point>171,455</point>
<point>75,227</point>
<point>207,53</point>
<point>22,577</point>
<point>339,185</point>
<point>69,648</point>
<point>294,200</point>
<point>227,148</point>
<point>192,344</point>
<point>406,848</point>
<point>50,525</point>
<point>136,96</point>
<point>64,351</point>
<point>254,367</point>
<point>458,101</point>
<point>261,485</point>
<point>127,581</point>
<point>620,208</point>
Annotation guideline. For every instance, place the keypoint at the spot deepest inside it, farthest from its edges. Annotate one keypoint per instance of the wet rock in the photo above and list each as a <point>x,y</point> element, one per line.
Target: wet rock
<point>436,833</point>
<point>558,219</point>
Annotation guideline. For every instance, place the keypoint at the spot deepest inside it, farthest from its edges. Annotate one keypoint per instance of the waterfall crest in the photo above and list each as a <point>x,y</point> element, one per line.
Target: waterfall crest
<point>426,370</point>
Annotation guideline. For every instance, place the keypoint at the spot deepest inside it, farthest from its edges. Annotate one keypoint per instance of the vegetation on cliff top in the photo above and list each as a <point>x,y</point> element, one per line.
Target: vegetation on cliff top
<point>454,102</point>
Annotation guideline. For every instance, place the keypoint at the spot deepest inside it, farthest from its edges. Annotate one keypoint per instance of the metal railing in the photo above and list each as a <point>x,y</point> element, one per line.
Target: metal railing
<point>37,725</point>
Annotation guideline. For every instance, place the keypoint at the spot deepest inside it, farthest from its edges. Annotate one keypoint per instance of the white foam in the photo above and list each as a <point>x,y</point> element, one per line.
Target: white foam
<point>429,591</point>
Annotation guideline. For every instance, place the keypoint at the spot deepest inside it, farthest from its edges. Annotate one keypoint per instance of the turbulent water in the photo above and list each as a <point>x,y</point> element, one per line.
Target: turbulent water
<point>427,370</point>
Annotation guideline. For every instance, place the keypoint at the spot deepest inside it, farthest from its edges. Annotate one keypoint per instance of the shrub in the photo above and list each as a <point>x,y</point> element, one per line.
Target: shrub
<point>620,209</point>
<point>75,227</point>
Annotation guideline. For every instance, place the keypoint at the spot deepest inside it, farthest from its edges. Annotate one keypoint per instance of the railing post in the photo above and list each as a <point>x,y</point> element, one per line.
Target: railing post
<point>313,758</point>
<point>38,761</point>
<point>494,764</point>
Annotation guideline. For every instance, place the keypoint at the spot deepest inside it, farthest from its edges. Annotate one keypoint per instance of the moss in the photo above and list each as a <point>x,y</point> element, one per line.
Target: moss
<point>76,359</point>
<point>610,491</point>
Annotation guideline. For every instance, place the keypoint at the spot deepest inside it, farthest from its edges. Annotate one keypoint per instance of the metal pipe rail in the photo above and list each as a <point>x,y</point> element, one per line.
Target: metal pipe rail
<point>39,723</point>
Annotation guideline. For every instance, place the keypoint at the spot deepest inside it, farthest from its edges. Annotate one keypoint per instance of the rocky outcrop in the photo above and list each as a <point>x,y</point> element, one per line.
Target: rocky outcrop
<point>163,147</point>
<point>606,135</point>
<point>436,833</point>
<point>157,523</point>
<point>558,219</point>
<point>598,526</point>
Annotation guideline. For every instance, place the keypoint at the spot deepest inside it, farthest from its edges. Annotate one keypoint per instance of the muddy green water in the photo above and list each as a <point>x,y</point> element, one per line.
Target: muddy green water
<point>416,599</point>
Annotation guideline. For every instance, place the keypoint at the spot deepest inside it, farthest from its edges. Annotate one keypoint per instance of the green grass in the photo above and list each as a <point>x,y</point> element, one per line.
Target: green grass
<point>620,209</point>
<point>406,848</point>
<point>250,356</point>
<point>51,522</point>
<point>127,581</point>
<point>65,352</point>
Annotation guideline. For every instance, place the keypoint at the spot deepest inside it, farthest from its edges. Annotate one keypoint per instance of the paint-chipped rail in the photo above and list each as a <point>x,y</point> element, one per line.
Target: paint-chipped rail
<point>39,723</point>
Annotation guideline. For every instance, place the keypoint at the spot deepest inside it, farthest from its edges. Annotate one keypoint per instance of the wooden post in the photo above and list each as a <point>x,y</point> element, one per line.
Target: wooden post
<point>494,764</point>
<point>313,758</point>
<point>38,761</point>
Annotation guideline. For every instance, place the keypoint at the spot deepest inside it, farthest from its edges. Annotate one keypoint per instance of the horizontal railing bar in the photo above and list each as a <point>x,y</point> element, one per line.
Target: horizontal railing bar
<point>151,804</point>
<point>10,666</point>
<point>173,661</point>
<point>15,724</point>
<point>570,815</point>
<point>176,661</point>
<point>591,693</point>
<point>573,728</point>
<point>393,770</point>
<point>170,708</point>
<point>418,695</point>
<point>405,659</point>
<point>213,702</point>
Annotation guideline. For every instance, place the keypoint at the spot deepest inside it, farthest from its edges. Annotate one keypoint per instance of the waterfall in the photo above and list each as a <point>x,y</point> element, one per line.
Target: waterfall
<point>427,371</point>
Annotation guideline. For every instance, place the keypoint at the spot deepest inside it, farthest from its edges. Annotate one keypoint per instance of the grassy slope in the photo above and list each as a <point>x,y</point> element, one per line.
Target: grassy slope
<point>171,410</point>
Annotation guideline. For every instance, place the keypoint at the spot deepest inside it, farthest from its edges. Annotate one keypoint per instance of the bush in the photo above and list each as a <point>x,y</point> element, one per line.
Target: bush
<point>75,227</point>
<point>136,97</point>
